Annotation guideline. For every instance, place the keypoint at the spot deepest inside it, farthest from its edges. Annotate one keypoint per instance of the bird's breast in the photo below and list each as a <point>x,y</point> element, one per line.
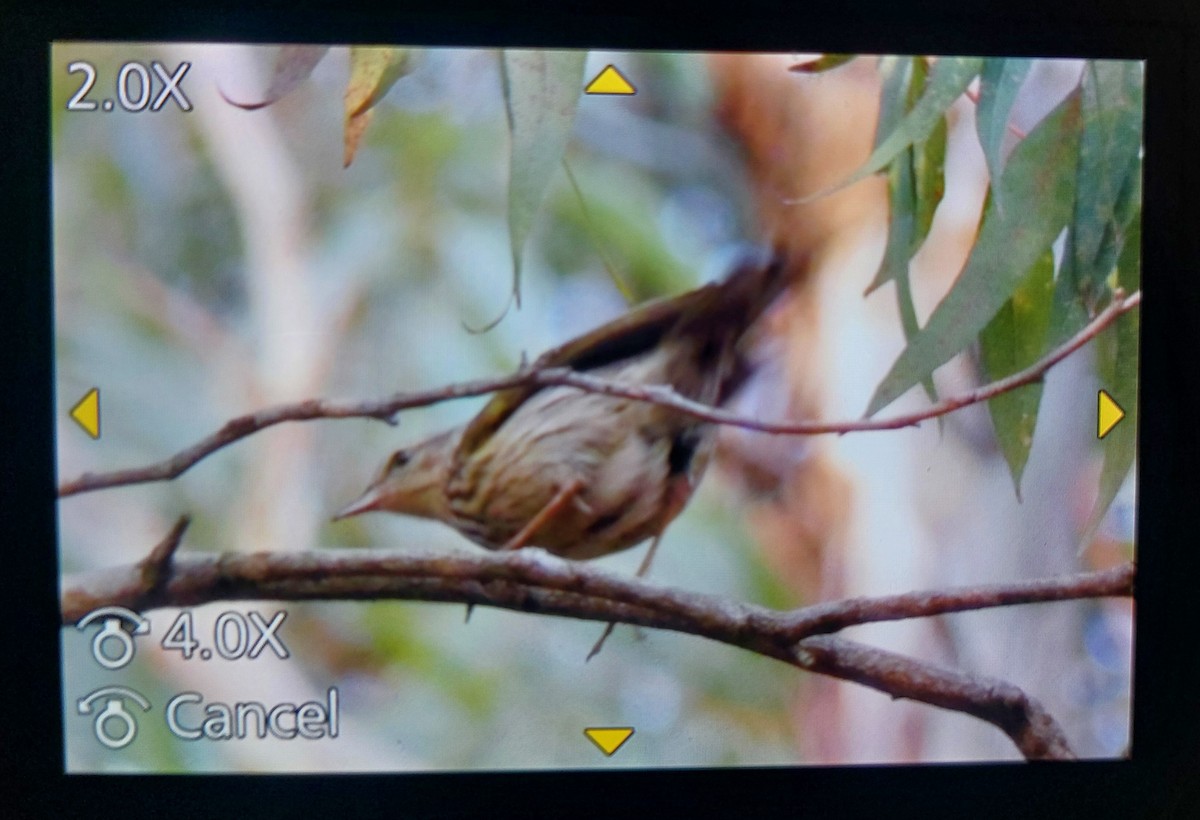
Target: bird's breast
<point>617,451</point>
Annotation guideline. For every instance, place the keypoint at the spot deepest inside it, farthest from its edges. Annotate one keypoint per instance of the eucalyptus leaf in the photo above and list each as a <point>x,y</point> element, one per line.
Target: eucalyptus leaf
<point>913,174</point>
<point>916,177</point>
<point>929,180</point>
<point>373,72</point>
<point>948,79</point>
<point>1014,339</point>
<point>1109,174</point>
<point>1040,178</point>
<point>899,74</point>
<point>999,83</point>
<point>910,324</point>
<point>1108,160</point>
<point>541,94</point>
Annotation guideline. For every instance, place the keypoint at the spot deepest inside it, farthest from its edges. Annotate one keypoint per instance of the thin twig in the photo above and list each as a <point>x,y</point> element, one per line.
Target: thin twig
<point>387,409</point>
<point>837,615</point>
<point>665,396</point>
<point>238,428</point>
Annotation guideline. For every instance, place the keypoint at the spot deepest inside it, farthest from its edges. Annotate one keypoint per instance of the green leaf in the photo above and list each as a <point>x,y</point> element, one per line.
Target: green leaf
<point>292,66</point>
<point>916,178</point>
<point>1040,181</point>
<point>915,187</point>
<point>908,321</point>
<point>902,223</point>
<point>1014,339</point>
<point>373,71</point>
<point>1109,180</point>
<point>903,82</point>
<point>541,93</point>
<point>929,177</point>
<point>1120,378</point>
<point>998,86</point>
<point>948,79</point>
<point>895,98</point>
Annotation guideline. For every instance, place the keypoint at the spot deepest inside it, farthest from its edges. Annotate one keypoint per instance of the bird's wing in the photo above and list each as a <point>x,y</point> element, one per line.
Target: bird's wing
<point>740,298</point>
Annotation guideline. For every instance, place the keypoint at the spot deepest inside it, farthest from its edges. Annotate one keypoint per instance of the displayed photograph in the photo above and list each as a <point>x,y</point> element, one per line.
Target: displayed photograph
<point>426,409</point>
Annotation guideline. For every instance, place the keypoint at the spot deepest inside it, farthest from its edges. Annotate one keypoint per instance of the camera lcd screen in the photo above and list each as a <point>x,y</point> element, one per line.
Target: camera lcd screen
<point>382,372</point>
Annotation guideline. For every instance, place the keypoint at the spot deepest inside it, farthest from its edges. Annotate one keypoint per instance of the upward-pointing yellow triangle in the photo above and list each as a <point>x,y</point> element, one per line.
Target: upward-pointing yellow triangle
<point>610,81</point>
<point>86,412</point>
<point>1108,414</point>
<point>609,739</point>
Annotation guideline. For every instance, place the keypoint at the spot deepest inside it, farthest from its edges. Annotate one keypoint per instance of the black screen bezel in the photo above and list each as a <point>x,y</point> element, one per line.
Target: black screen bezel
<point>1160,779</point>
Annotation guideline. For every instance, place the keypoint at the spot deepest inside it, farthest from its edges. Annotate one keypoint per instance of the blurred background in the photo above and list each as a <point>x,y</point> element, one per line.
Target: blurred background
<point>213,262</point>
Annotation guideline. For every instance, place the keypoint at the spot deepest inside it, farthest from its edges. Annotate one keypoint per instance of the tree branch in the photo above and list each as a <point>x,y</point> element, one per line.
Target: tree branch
<point>387,409</point>
<point>1027,723</point>
<point>532,581</point>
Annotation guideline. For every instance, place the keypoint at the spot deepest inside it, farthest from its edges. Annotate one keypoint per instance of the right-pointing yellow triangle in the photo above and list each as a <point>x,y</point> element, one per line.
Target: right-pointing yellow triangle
<point>610,81</point>
<point>609,739</point>
<point>1108,414</point>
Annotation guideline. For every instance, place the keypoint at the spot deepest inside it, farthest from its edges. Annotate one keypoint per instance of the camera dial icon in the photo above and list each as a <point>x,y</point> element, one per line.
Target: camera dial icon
<point>113,645</point>
<point>114,726</point>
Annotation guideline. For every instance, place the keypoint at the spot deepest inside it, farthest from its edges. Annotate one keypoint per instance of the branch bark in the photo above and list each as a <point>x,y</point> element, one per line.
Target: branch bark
<point>533,581</point>
<point>387,409</point>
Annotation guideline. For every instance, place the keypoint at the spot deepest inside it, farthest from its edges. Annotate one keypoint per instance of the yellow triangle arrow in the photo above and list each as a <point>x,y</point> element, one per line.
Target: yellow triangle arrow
<point>1108,414</point>
<point>86,412</point>
<point>610,81</point>
<point>609,739</point>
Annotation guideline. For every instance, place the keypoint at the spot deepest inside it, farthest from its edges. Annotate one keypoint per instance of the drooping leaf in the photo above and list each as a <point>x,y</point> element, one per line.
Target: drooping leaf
<point>373,71</point>
<point>1109,182</point>
<point>292,66</point>
<point>821,64</point>
<point>915,191</point>
<point>910,323</point>
<point>1014,339</point>
<point>948,79</point>
<point>897,95</point>
<point>898,74</point>
<point>929,179</point>
<point>915,186</point>
<point>541,93</point>
<point>1040,183</point>
<point>1119,375</point>
<point>999,83</point>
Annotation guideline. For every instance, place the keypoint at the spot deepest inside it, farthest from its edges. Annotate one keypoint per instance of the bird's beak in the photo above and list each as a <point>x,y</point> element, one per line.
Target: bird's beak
<point>370,500</point>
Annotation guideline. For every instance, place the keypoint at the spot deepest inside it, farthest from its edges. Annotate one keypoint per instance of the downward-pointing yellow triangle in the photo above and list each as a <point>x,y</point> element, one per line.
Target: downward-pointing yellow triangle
<point>86,412</point>
<point>1108,414</point>
<point>610,81</point>
<point>609,739</point>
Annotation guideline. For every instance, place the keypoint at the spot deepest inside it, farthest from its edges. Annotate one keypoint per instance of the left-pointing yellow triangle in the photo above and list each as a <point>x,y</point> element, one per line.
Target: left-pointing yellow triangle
<point>609,739</point>
<point>86,412</point>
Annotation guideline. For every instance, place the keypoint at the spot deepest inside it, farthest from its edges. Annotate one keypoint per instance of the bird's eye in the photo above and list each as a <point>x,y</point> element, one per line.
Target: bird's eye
<point>399,459</point>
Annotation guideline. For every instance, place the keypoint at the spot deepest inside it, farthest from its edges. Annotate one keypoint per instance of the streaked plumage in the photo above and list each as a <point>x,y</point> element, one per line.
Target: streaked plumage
<point>605,472</point>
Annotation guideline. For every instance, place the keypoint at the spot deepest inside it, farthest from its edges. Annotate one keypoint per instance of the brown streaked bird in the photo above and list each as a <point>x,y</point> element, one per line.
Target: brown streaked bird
<point>583,474</point>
